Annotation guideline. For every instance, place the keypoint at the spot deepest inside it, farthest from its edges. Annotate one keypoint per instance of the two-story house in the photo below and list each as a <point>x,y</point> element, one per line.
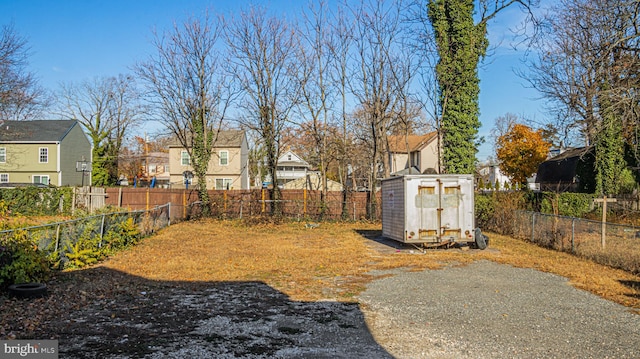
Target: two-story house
<point>228,167</point>
<point>291,167</point>
<point>417,151</point>
<point>55,152</point>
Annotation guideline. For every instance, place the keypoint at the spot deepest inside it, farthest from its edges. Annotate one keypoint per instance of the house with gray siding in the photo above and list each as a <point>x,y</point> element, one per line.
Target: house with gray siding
<point>50,152</point>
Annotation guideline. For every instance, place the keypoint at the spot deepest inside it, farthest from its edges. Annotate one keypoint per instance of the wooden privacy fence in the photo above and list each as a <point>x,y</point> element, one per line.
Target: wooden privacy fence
<point>89,198</point>
<point>239,203</point>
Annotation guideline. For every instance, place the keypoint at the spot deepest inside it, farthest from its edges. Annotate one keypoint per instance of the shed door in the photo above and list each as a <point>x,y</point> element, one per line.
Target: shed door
<point>428,203</point>
<point>450,214</point>
<point>438,205</point>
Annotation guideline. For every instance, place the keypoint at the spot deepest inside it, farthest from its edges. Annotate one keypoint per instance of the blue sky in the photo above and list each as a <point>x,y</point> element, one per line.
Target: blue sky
<point>74,40</point>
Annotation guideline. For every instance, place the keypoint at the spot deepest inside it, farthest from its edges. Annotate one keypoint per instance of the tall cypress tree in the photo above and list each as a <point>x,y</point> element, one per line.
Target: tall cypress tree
<point>461,45</point>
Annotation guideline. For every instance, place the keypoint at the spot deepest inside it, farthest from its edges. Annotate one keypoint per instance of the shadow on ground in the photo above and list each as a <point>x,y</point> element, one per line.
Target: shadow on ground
<point>111,314</point>
<point>381,243</point>
<point>632,284</point>
<point>387,245</point>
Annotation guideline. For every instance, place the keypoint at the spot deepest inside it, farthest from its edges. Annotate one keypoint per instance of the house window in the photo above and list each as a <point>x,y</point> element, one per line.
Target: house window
<point>3,154</point>
<point>185,159</point>
<point>4,178</point>
<point>224,158</point>
<point>415,159</point>
<point>166,168</point>
<point>223,183</point>
<point>44,155</point>
<point>289,157</point>
<point>152,169</point>
<point>44,179</point>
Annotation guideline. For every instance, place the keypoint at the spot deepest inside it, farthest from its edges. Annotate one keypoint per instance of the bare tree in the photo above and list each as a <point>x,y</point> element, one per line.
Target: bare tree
<point>108,108</point>
<point>187,82</point>
<point>502,125</point>
<point>374,84</point>
<point>587,67</point>
<point>262,50</point>
<point>340,48</point>
<point>314,65</point>
<point>20,96</point>
<point>423,45</point>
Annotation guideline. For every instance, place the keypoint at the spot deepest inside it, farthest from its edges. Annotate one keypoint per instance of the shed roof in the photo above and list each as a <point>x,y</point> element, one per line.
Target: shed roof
<point>36,130</point>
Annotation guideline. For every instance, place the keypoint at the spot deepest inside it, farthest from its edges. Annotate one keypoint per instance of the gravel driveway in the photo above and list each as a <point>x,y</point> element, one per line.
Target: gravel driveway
<point>489,310</point>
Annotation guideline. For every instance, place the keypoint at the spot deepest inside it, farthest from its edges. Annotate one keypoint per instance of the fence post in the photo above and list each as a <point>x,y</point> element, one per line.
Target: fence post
<point>169,214</point>
<point>533,227</point>
<point>184,204</point>
<point>102,229</point>
<point>304,201</point>
<point>604,201</point>
<point>573,235</point>
<point>354,210</point>
<point>57,237</point>
<point>224,196</point>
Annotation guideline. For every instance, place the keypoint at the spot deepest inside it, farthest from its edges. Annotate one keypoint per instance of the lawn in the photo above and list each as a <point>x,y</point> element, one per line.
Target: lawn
<point>334,261</point>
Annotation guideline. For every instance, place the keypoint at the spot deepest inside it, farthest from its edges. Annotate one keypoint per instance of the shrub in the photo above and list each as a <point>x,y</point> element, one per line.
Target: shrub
<point>121,235</point>
<point>495,211</point>
<point>34,201</point>
<point>21,261</point>
<point>567,204</point>
<point>484,207</point>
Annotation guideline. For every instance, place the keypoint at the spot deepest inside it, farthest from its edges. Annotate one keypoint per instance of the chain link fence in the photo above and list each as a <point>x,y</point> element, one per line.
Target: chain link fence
<point>611,244</point>
<point>94,232</point>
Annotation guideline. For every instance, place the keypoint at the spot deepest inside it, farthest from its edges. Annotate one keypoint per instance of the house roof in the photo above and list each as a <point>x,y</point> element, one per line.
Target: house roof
<point>407,171</point>
<point>398,143</point>
<point>569,153</point>
<point>35,131</point>
<point>296,161</point>
<point>226,138</point>
<point>157,157</point>
<point>312,181</point>
<point>561,168</point>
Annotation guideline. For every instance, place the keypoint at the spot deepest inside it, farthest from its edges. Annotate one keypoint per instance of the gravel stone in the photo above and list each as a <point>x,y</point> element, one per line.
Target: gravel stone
<point>490,310</point>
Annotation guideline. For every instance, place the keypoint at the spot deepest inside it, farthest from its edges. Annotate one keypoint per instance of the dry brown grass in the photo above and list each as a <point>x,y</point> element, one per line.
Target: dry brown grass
<point>334,260</point>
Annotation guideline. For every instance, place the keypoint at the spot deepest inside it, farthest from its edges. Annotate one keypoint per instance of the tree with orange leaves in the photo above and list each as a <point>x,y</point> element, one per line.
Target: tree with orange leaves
<point>520,150</point>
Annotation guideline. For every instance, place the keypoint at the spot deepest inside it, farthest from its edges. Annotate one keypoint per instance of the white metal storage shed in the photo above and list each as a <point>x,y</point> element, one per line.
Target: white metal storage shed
<point>429,209</point>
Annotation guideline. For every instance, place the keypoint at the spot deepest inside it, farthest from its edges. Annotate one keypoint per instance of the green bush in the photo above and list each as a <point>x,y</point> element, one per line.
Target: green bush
<point>90,247</point>
<point>494,211</point>
<point>627,181</point>
<point>35,201</point>
<point>484,207</point>
<point>21,261</point>
<point>567,204</point>
<point>121,235</point>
